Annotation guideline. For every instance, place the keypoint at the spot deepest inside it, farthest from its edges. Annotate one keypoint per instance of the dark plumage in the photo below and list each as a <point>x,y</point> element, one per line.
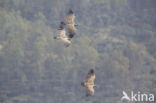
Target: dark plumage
<point>92,71</point>
<point>70,11</point>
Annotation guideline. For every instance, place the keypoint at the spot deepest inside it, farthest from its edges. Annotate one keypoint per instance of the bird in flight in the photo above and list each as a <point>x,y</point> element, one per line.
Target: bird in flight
<point>69,25</point>
<point>89,83</point>
<point>61,35</point>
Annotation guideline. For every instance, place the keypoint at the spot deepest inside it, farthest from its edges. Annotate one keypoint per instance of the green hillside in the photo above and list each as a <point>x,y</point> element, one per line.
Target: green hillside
<point>116,37</point>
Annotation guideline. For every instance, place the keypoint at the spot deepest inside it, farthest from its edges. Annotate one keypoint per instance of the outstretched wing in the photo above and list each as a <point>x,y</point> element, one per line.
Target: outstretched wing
<point>90,77</point>
<point>70,17</point>
<point>61,31</point>
<point>89,90</point>
<point>71,29</point>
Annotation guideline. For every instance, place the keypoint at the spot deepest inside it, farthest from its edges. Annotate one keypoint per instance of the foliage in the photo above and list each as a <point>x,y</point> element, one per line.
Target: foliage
<point>117,38</point>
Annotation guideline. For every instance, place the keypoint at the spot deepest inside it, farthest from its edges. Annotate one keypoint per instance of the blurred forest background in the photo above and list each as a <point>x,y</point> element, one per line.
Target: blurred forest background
<point>116,37</point>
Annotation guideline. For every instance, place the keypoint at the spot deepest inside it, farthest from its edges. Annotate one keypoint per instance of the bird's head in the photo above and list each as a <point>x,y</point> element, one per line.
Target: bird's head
<point>70,11</point>
<point>62,23</point>
<point>91,71</point>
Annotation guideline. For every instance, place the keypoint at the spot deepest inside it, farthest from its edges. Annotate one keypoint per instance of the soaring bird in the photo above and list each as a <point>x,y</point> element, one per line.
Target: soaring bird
<point>61,35</point>
<point>89,83</point>
<point>70,24</point>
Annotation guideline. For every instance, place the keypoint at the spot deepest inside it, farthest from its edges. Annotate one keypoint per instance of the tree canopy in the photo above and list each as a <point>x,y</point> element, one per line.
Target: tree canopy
<point>116,37</point>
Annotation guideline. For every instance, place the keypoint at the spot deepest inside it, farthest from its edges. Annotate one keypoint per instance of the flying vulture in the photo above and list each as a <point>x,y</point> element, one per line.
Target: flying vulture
<point>89,83</point>
<point>61,35</point>
<point>70,24</point>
